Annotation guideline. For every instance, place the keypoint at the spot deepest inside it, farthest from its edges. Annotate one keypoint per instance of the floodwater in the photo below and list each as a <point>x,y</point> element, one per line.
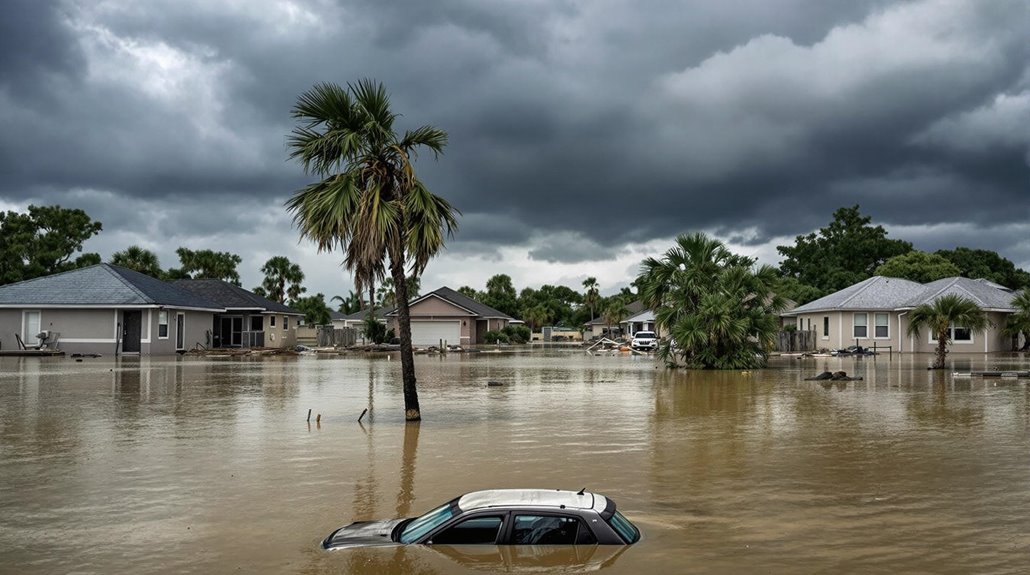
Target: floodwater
<point>208,465</point>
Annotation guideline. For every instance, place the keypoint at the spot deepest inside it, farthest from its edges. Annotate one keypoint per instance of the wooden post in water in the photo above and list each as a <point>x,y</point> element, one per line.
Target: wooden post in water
<point>309,415</point>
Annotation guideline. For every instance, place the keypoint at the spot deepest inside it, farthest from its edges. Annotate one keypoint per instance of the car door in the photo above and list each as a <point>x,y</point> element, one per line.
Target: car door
<point>541,528</point>
<point>479,529</point>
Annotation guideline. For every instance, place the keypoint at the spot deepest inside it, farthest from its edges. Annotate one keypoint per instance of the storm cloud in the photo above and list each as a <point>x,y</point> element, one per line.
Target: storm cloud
<point>584,134</point>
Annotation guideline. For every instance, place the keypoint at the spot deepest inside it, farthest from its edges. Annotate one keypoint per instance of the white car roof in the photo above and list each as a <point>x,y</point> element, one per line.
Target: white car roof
<point>532,498</point>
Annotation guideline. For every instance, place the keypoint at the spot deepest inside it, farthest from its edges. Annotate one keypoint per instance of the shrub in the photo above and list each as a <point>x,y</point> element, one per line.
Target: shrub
<point>517,333</point>
<point>496,337</point>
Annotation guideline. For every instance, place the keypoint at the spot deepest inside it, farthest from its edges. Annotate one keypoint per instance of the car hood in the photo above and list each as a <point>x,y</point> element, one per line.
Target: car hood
<point>362,534</point>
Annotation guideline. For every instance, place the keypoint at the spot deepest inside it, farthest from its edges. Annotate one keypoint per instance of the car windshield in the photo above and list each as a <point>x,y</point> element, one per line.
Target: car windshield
<point>644,334</point>
<point>426,523</point>
<point>625,529</point>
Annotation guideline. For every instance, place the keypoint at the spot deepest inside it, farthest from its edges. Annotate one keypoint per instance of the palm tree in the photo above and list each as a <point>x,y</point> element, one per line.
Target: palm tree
<point>592,296</point>
<point>614,313</point>
<point>718,311</point>
<point>136,258</point>
<point>369,202</point>
<point>349,304</point>
<point>280,271</point>
<point>943,313</point>
<point>1019,323</point>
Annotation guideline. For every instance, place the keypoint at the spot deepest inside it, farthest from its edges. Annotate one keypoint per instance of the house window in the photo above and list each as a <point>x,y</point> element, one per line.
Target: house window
<point>956,335</point>
<point>861,323</point>
<point>271,321</point>
<point>881,326</point>
<point>286,322</point>
<point>162,324</point>
<point>826,326</point>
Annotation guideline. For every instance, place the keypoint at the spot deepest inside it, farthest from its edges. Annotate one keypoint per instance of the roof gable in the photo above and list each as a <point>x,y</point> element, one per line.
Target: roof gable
<point>101,285</point>
<point>460,301</point>
<point>986,294</point>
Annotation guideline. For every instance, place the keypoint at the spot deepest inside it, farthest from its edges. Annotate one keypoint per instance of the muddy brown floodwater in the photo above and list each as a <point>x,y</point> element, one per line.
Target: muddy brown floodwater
<point>208,466</point>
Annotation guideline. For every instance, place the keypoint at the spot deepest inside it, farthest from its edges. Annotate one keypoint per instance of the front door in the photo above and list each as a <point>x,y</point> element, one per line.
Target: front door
<point>180,329</point>
<point>132,322</point>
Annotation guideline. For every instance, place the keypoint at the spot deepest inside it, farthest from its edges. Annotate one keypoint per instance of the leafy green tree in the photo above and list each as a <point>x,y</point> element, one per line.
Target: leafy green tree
<point>469,292</point>
<point>207,264</point>
<point>720,313</point>
<point>943,313</point>
<point>369,201</point>
<point>537,316</point>
<point>136,258</point>
<point>977,264</point>
<point>796,291</point>
<point>501,295</point>
<point>1019,323</point>
<point>845,252</point>
<point>592,295</point>
<point>919,267</point>
<point>43,241</point>
<point>314,308</point>
<point>386,294</point>
<point>282,279</point>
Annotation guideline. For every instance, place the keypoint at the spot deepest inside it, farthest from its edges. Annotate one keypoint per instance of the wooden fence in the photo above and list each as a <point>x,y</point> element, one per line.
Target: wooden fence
<point>788,341</point>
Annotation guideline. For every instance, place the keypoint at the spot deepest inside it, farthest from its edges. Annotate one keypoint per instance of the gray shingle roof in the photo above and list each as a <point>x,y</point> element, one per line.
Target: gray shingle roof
<point>986,294</point>
<point>100,285</point>
<point>360,314</point>
<point>883,293</point>
<point>877,292</point>
<point>231,296</point>
<point>463,301</point>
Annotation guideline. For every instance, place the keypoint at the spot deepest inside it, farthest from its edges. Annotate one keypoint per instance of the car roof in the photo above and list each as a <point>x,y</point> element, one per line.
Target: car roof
<point>532,498</point>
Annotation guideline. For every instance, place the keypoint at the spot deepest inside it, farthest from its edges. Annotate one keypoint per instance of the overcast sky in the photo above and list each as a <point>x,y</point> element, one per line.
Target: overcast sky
<point>584,134</point>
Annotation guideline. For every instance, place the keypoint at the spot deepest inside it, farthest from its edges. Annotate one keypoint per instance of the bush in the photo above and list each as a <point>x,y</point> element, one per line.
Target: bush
<point>375,331</point>
<point>517,333</point>
<point>496,337</point>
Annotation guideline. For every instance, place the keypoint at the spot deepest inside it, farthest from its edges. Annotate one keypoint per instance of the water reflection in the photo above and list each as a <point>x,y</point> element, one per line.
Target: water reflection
<point>407,490</point>
<point>532,559</point>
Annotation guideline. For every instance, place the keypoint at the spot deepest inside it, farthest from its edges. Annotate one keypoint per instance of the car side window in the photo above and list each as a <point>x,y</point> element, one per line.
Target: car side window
<point>550,530</point>
<point>473,531</point>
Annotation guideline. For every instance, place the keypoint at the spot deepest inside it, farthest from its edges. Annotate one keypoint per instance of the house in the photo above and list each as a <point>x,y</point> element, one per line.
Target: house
<point>357,319</point>
<point>448,316</point>
<point>245,318</point>
<point>105,309</point>
<point>643,321</point>
<point>598,327</point>
<point>874,313</point>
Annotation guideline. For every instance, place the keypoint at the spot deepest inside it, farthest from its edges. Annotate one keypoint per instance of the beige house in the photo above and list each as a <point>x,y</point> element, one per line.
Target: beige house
<point>445,315</point>
<point>874,313</point>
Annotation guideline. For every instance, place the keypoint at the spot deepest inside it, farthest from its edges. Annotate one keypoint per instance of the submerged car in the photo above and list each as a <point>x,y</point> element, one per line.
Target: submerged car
<point>500,517</point>
<point>644,341</point>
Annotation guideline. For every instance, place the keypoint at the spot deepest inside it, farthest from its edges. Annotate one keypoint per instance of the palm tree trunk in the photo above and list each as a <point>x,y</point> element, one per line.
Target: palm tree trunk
<point>942,349</point>
<point>400,288</point>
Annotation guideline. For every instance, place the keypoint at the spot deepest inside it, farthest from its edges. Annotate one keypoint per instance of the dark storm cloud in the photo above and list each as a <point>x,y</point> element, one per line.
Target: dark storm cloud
<point>613,123</point>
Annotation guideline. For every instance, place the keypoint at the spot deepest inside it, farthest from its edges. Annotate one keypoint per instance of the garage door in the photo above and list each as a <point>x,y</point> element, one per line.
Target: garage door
<point>426,333</point>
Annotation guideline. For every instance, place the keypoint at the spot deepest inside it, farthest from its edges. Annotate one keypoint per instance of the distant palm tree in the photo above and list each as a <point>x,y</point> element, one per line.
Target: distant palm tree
<point>369,201</point>
<point>349,304</point>
<point>136,258</point>
<point>614,313</point>
<point>279,272</point>
<point>939,317</point>
<point>1019,323</point>
<point>592,296</point>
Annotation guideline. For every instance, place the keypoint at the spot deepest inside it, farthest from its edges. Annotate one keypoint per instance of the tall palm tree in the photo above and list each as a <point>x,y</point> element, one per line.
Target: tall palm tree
<point>1019,323</point>
<point>614,312</point>
<point>592,296</point>
<point>280,271</point>
<point>369,202</point>
<point>943,313</point>
<point>136,258</point>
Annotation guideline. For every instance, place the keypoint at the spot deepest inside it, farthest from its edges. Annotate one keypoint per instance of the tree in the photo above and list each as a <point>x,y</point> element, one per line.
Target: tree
<point>796,291</point>
<point>592,297</point>
<point>136,258</point>
<point>42,242</point>
<point>718,311</point>
<point>941,316</point>
<point>207,264</point>
<point>315,310</point>
<point>501,295</point>
<point>845,252</point>
<point>369,201</point>
<point>919,267</point>
<point>614,312</point>
<point>350,304</point>
<point>1018,323</point>
<point>537,316</point>
<point>469,292</point>
<point>386,294</point>
<point>280,271</point>
<point>977,264</point>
